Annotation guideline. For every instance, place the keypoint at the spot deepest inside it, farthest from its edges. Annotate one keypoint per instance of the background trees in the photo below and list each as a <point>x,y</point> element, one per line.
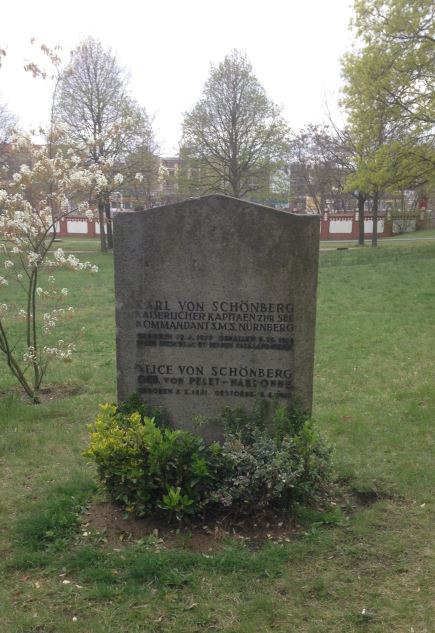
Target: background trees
<point>388,96</point>
<point>235,136</point>
<point>320,158</point>
<point>101,120</point>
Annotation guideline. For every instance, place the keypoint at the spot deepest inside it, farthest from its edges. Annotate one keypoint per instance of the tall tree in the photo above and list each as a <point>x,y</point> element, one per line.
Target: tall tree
<point>388,125</point>
<point>234,135</point>
<point>326,159</point>
<point>101,120</point>
<point>371,123</point>
<point>405,33</point>
<point>322,163</point>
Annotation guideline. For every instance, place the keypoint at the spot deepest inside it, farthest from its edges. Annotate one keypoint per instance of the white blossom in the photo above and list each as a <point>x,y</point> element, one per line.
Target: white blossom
<point>25,170</point>
<point>30,355</point>
<point>62,352</point>
<point>101,180</point>
<point>33,258</point>
<point>25,224</point>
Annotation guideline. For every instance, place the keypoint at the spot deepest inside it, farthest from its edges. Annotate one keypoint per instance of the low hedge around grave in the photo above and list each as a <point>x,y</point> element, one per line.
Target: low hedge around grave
<point>151,469</point>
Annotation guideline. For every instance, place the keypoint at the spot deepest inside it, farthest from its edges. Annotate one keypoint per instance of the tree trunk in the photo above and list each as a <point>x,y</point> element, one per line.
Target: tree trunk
<point>109,225</point>
<point>375,219</point>
<point>361,201</point>
<point>101,219</point>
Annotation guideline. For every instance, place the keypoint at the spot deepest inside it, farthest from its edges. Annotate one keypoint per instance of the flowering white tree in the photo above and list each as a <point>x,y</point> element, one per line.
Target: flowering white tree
<point>37,197</point>
<point>103,123</point>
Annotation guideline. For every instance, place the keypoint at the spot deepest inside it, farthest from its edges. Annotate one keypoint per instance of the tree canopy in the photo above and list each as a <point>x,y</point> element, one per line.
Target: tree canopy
<point>234,136</point>
<point>404,34</point>
<point>95,107</point>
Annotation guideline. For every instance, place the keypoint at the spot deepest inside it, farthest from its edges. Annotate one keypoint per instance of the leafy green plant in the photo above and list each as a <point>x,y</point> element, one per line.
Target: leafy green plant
<point>258,466</point>
<point>273,467</point>
<point>134,404</point>
<point>176,502</point>
<point>147,469</point>
<point>289,420</point>
<point>242,423</point>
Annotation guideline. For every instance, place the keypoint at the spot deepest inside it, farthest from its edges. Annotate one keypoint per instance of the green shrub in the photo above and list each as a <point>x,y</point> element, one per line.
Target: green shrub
<point>148,469</point>
<point>258,466</point>
<point>272,467</point>
<point>135,405</point>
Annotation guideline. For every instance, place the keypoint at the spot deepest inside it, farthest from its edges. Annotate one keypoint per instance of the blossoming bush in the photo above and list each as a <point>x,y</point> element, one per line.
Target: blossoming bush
<point>149,469</point>
<point>47,187</point>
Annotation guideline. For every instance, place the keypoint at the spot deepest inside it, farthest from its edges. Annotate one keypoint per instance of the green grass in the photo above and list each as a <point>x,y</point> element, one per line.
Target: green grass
<point>374,398</point>
<point>426,233</point>
<point>414,236</point>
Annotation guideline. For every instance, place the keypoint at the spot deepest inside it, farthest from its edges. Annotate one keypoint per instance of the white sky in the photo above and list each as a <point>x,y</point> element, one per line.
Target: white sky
<point>167,47</point>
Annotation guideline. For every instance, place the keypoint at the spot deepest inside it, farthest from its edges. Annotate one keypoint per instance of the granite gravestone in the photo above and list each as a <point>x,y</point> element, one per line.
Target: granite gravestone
<point>215,306</point>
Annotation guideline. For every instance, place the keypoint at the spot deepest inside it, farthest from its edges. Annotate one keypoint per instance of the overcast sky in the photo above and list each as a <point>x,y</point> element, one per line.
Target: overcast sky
<point>167,47</point>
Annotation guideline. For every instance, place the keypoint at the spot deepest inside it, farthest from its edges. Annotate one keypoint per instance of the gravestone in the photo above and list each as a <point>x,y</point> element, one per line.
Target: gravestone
<point>215,306</point>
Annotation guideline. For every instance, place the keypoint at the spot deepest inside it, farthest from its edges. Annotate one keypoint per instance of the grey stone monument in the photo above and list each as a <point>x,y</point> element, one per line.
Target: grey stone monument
<point>215,306</point>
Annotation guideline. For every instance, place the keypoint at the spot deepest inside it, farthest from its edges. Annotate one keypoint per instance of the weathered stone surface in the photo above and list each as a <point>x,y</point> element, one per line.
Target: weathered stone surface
<point>215,306</point>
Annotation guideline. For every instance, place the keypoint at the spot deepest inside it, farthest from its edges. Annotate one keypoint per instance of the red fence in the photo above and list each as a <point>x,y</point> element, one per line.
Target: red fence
<point>345,226</point>
<point>333,226</point>
<point>77,227</point>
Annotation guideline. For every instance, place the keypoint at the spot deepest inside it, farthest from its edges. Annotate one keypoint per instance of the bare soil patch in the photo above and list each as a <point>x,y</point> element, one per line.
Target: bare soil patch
<point>114,528</point>
<point>46,393</point>
<point>57,392</point>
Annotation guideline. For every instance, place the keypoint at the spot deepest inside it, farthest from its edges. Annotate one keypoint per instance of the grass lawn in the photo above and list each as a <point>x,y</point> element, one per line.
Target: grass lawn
<point>374,398</point>
<point>413,237</point>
